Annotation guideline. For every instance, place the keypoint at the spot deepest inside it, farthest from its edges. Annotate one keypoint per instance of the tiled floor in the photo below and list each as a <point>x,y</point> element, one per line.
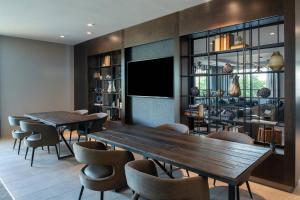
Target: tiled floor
<point>56,180</point>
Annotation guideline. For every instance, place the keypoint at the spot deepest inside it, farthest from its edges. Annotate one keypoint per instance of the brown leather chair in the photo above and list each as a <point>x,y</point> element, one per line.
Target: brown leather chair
<point>72,128</point>
<point>93,126</point>
<point>104,169</point>
<point>17,133</point>
<point>180,128</point>
<point>233,137</point>
<point>41,135</point>
<point>142,178</point>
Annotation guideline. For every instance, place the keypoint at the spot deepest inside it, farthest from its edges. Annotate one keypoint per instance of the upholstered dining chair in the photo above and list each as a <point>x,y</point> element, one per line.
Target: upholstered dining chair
<point>233,137</point>
<point>41,135</point>
<point>17,133</point>
<point>142,178</point>
<point>181,128</point>
<point>93,126</point>
<point>72,128</point>
<point>104,169</point>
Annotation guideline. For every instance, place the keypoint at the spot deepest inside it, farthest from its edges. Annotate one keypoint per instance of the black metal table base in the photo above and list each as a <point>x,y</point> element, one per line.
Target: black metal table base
<point>163,168</point>
<point>233,192</point>
<point>68,146</point>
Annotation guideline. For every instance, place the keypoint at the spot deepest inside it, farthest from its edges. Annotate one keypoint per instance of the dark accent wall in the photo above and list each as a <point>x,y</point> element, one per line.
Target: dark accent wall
<point>160,38</point>
<point>152,111</point>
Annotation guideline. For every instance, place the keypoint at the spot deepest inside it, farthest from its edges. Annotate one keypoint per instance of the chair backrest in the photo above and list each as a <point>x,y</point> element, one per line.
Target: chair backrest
<point>181,128</point>
<point>232,136</point>
<point>49,134</point>
<point>142,177</point>
<point>81,112</point>
<point>97,125</point>
<point>14,121</point>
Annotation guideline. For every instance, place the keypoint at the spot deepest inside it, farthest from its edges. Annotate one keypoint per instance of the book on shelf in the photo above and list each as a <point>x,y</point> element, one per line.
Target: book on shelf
<point>106,61</point>
<point>223,42</point>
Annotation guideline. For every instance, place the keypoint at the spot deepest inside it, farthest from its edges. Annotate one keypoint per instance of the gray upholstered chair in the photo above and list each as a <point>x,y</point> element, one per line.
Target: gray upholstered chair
<point>72,128</point>
<point>233,137</point>
<point>142,178</point>
<point>93,126</point>
<point>181,128</point>
<point>81,112</point>
<point>41,135</point>
<point>104,169</point>
<point>17,133</point>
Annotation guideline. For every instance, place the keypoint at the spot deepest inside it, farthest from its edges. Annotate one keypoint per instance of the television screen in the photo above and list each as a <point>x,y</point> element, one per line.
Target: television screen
<point>152,78</point>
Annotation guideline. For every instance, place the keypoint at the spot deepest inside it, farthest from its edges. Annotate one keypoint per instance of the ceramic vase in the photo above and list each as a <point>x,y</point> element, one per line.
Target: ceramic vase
<point>276,61</point>
<point>235,90</point>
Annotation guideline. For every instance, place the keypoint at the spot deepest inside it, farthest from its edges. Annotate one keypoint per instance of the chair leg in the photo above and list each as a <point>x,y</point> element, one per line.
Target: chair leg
<point>14,144</point>
<point>70,139</point>
<point>32,156</point>
<point>249,189</point>
<point>86,138</point>
<point>136,196</point>
<point>42,148</point>
<point>102,195</point>
<point>56,152</point>
<point>27,148</point>
<point>187,172</point>
<point>171,169</point>
<point>81,191</point>
<point>215,182</point>
<point>78,139</point>
<point>48,149</point>
<point>20,141</point>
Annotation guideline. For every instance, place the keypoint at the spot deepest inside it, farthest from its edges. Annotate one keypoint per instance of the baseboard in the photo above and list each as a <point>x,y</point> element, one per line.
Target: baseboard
<point>272,184</point>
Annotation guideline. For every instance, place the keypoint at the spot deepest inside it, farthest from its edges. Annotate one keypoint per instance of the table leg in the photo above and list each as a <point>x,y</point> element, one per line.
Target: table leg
<point>68,146</point>
<point>163,168</point>
<point>231,192</point>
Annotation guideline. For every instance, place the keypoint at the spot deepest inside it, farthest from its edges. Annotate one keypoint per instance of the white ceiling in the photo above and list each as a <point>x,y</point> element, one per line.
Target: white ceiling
<point>46,20</point>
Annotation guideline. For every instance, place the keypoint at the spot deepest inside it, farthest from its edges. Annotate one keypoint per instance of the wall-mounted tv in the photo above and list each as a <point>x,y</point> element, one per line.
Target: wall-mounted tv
<point>151,78</point>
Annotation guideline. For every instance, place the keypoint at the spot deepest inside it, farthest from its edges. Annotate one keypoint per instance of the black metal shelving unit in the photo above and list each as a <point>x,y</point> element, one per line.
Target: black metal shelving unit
<point>202,67</point>
<point>105,84</point>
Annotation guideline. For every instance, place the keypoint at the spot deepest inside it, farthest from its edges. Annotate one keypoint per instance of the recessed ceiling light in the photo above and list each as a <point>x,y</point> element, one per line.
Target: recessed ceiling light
<point>62,36</point>
<point>90,24</point>
<point>272,33</point>
<point>89,32</point>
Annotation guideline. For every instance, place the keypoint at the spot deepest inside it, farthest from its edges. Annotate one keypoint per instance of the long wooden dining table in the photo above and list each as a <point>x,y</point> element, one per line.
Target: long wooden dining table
<point>226,161</point>
<point>60,119</point>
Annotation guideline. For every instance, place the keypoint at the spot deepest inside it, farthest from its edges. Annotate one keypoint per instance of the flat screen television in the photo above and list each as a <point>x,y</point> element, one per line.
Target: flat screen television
<point>151,78</point>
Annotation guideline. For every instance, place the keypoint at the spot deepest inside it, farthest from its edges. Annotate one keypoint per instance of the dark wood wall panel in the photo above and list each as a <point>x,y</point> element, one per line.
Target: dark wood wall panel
<point>289,52</point>
<point>106,43</point>
<point>220,13</point>
<point>80,77</point>
<point>155,30</point>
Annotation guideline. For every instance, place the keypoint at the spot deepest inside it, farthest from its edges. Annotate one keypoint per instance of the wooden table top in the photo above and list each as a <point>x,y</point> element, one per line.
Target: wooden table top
<point>223,160</point>
<point>60,118</point>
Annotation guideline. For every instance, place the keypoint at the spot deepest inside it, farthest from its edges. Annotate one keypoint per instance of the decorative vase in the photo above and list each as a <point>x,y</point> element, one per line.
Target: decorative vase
<point>109,87</point>
<point>264,92</point>
<point>195,91</point>
<point>227,68</point>
<point>276,61</point>
<point>235,90</point>
<point>113,88</point>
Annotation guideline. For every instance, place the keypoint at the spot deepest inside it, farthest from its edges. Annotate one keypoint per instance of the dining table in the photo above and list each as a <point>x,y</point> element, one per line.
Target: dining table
<point>229,162</point>
<point>61,120</point>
